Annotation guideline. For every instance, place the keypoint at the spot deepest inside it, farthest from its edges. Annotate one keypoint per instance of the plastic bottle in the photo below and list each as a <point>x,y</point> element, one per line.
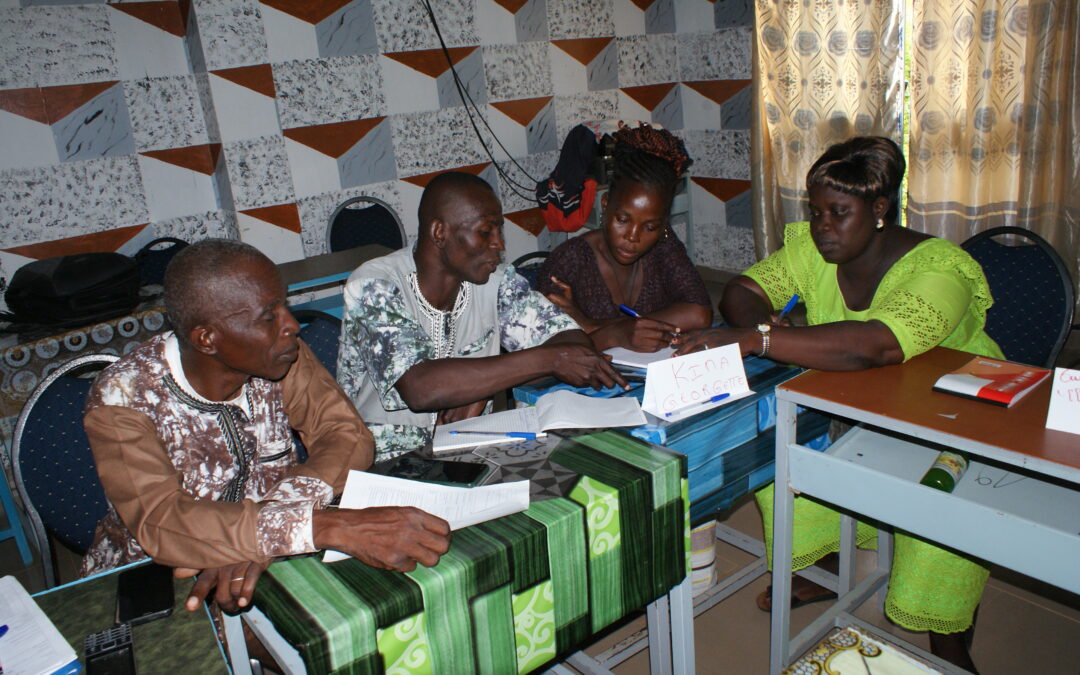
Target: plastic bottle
<point>946,471</point>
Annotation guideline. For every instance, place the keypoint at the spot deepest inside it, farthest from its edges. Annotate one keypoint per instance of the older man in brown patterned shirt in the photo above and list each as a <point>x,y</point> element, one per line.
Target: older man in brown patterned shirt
<point>191,433</point>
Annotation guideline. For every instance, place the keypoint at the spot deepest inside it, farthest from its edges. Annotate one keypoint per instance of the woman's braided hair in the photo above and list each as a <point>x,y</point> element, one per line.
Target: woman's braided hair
<point>648,156</point>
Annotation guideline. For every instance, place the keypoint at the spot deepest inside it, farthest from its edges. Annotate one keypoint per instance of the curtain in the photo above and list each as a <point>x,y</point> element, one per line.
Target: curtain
<point>995,123</point>
<point>824,71</point>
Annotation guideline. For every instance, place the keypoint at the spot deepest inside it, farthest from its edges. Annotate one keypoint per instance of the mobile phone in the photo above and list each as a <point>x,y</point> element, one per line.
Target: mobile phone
<point>110,652</point>
<point>415,467</point>
<point>144,593</point>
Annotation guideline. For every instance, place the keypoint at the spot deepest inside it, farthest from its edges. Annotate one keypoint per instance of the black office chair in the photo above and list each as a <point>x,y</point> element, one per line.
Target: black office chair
<point>364,220</point>
<point>321,332</point>
<point>154,257</point>
<point>1033,294</point>
<point>54,469</point>
<point>529,266</point>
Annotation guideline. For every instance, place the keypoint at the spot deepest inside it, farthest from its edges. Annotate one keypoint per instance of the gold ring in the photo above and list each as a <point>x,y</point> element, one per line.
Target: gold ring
<point>238,578</point>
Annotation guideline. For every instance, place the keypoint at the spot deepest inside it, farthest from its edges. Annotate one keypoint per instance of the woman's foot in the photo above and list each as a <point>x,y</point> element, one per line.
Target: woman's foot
<point>952,647</point>
<point>803,592</point>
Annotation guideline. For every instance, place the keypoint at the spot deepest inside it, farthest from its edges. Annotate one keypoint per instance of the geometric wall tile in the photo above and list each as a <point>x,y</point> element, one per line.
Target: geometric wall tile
<point>697,15</point>
<point>220,224</point>
<point>719,154</point>
<point>98,128</point>
<point>326,28</point>
<point>572,110</point>
<point>715,55</point>
<point>422,179</point>
<point>585,63</point>
<point>25,141</point>
<point>470,75</point>
<point>423,80</point>
<point>530,220</point>
<point>630,17</point>
<point>230,33</point>
<point>503,21</point>
<point>735,112</point>
<point>165,112</point>
<point>526,126</point>
<point>243,102</point>
<point>288,37</point>
<point>403,25</point>
<point>284,216</point>
<point>369,160</point>
<point>647,59</point>
<point>258,172</point>
<point>149,39</point>
<point>46,46</point>
<point>659,103</point>
<point>313,172</point>
<point>70,199</point>
<point>580,18</point>
<point>349,30</point>
<point>426,142</point>
<point>335,156</point>
<point>104,241</point>
<point>320,91</point>
<point>280,244</point>
<point>660,17</point>
<point>173,189</point>
<point>526,172</point>
<point>734,13</point>
<point>517,71</point>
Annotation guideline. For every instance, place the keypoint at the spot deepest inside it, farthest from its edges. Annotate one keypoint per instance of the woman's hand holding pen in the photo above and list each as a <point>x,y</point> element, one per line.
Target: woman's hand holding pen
<point>642,334</point>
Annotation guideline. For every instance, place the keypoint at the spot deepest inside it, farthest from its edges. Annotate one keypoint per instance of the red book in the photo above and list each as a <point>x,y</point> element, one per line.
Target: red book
<point>992,380</point>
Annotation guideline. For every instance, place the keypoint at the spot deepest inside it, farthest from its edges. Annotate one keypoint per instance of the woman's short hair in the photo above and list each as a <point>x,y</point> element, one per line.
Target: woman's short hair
<point>648,156</point>
<point>867,167</point>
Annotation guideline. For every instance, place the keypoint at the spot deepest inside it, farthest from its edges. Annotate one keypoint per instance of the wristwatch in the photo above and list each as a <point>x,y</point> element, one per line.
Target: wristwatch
<point>765,330</point>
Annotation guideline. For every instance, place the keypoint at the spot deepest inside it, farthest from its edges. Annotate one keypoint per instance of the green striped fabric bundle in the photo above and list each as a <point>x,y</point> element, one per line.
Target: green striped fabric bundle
<point>511,594</point>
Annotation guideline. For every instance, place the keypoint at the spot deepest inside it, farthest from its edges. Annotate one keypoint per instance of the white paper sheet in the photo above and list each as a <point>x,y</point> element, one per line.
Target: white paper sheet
<point>459,506</point>
<point>32,645</point>
<point>683,386</point>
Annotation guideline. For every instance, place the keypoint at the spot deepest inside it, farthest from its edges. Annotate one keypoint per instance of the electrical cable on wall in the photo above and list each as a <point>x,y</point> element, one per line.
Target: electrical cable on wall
<point>467,101</point>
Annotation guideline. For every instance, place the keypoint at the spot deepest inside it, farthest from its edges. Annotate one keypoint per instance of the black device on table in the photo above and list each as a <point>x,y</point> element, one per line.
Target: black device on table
<point>144,593</point>
<point>448,472</point>
<point>110,652</point>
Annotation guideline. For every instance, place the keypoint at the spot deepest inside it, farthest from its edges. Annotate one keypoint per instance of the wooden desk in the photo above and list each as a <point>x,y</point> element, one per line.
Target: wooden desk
<point>183,642</point>
<point>1021,511</point>
<point>328,268</point>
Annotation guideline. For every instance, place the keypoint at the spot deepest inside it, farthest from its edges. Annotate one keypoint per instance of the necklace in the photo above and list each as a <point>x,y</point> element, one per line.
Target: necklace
<point>442,326</point>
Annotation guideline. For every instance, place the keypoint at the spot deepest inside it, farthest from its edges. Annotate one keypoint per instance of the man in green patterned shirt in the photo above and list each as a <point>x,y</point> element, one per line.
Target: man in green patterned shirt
<point>423,328</point>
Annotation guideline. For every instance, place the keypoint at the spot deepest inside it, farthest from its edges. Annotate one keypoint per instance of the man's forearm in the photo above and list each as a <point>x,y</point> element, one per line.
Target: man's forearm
<point>439,384</point>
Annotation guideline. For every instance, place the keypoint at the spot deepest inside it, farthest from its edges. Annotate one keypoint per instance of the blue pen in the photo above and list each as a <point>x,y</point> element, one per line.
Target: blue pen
<point>788,307</point>
<point>527,435</point>
<point>714,399</point>
<point>630,311</point>
<point>3,630</point>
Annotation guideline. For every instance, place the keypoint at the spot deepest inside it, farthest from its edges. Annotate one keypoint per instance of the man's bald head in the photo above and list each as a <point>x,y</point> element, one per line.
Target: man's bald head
<point>200,279</point>
<point>441,192</point>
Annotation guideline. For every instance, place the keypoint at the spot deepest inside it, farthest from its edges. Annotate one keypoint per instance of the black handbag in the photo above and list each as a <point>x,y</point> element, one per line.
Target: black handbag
<point>73,290</point>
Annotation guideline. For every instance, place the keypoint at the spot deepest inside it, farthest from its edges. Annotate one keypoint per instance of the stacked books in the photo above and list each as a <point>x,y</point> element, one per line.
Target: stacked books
<point>992,380</point>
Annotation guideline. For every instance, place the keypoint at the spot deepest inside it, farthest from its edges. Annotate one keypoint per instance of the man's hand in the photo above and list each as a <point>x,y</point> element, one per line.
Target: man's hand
<point>463,412</point>
<point>583,366</point>
<point>564,297</point>
<point>387,537</point>
<point>234,585</point>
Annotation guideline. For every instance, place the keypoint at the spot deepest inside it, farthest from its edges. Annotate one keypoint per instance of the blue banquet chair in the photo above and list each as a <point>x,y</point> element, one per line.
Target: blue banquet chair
<point>1033,294</point>
<point>54,468</point>
<point>529,266</point>
<point>364,220</point>
<point>154,257</point>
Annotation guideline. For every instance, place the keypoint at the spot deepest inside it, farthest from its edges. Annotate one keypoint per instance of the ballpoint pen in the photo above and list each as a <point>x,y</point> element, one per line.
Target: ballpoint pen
<point>712,399</point>
<point>527,435</point>
<point>630,311</point>
<point>788,307</point>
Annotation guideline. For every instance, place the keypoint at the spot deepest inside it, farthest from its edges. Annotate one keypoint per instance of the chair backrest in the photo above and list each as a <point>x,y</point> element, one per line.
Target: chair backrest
<point>1033,295</point>
<point>364,220</point>
<point>529,266</point>
<point>154,257</point>
<point>320,331</point>
<point>54,468</point>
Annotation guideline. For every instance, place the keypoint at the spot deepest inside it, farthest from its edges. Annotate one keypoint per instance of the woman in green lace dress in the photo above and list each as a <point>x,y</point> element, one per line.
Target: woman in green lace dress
<point>876,294</point>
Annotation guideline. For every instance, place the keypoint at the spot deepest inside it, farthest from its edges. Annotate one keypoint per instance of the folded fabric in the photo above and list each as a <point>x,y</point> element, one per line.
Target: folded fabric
<point>562,196</point>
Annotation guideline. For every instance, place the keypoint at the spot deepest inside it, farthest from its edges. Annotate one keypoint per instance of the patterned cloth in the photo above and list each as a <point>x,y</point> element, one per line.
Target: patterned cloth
<point>383,336</point>
<point>202,484</point>
<point>669,277</point>
<point>513,593</point>
<point>934,295</point>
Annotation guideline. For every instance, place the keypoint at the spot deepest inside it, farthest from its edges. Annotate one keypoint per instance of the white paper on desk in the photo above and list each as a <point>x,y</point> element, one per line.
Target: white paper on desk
<point>1064,411</point>
<point>459,506</point>
<point>32,644</point>
<point>621,356</point>
<point>556,410</point>
<point>682,386</point>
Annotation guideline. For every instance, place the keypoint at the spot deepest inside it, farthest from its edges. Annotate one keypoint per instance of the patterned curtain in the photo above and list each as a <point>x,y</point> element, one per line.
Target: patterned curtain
<point>995,124</point>
<point>824,71</point>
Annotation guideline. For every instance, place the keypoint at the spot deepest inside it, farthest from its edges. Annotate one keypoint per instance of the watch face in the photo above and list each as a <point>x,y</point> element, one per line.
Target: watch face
<point>764,327</point>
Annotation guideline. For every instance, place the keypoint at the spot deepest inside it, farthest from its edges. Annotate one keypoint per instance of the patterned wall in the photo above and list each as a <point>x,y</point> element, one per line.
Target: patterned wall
<point>121,122</point>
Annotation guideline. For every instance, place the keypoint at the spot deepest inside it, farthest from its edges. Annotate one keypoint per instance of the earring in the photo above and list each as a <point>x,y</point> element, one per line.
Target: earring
<point>880,224</point>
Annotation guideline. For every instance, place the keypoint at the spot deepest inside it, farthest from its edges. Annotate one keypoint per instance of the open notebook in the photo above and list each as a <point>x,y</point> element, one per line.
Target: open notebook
<point>557,410</point>
<point>32,644</point>
<point>620,356</point>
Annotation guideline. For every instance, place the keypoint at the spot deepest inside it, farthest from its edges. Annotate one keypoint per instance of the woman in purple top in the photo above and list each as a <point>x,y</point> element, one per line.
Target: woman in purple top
<point>635,260</point>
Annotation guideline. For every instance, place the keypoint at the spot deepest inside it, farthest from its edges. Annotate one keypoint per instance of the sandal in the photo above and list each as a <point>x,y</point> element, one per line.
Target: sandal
<point>796,602</point>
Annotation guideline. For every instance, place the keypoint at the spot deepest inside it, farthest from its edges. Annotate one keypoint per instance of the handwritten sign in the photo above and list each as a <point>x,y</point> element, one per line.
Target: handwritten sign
<point>1064,413</point>
<point>683,386</point>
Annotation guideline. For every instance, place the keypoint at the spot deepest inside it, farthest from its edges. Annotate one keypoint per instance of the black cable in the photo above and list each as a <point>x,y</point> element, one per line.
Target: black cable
<point>466,100</point>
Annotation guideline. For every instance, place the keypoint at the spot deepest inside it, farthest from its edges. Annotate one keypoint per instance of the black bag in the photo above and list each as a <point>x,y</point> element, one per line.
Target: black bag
<point>73,290</point>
